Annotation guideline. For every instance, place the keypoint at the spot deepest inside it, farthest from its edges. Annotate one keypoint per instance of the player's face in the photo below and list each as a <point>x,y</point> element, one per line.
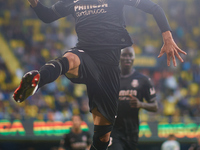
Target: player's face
<point>127,57</point>
<point>76,120</point>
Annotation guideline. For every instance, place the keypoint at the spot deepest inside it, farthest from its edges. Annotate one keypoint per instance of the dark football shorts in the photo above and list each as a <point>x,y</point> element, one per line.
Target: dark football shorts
<point>122,144</point>
<point>102,80</point>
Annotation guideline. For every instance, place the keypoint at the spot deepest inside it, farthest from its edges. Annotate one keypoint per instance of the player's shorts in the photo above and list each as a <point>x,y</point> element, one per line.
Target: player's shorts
<point>122,140</point>
<point>122,144</point>
<point>102,80</point>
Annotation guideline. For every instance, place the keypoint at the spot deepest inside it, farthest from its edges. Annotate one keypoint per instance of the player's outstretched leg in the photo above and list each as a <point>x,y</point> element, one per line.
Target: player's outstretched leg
<point>48,73</point>
<point>102,130</point>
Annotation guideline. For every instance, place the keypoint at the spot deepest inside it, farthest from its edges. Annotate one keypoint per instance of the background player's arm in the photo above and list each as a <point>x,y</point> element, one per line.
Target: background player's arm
<point>192,147</point>
<point>64,143</point>
<point>135,103</point>
<point>149,93</point>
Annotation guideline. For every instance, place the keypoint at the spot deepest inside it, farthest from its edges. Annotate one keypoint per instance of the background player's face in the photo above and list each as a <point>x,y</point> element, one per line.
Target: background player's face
<point>76,120</point>
<point>127,58</point>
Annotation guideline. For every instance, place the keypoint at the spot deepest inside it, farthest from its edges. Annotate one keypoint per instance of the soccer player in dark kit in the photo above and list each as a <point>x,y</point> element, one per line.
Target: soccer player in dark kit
<point>76,139</point>
<point>133,89</point>
<point>94,61</point>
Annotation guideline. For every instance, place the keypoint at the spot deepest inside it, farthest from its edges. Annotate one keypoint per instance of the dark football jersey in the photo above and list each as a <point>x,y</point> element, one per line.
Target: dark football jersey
<point>100,24</point>
<point>137,85</point>
<point>72,141</point>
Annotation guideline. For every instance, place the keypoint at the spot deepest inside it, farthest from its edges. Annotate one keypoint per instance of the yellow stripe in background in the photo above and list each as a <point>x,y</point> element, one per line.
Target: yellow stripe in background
<point>11,61</point>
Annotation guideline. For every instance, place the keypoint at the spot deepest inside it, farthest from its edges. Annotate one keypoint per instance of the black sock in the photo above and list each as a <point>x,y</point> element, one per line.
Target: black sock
<point>52,70</point>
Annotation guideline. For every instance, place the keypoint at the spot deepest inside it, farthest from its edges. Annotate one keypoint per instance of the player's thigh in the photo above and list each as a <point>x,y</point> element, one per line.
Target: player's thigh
<point>131,146</point>
<point>103,94</point>
<point>74,63</point>
<point>98,118</point>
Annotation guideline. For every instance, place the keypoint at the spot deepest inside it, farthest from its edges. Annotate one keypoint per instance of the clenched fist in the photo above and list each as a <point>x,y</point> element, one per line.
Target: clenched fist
<point>135,102</point>
<point>33,2</point>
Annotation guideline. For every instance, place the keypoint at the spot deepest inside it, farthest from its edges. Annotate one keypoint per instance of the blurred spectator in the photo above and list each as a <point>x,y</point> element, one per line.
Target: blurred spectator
<point>76,139</point>
<point>171,143</point>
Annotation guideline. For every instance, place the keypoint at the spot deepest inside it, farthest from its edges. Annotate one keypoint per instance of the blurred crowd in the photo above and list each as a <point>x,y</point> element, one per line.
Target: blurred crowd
<point>34,43</point>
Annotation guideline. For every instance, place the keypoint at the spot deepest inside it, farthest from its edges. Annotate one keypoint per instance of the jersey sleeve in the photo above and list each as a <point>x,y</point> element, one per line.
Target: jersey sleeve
<point>49,14</point>
<point>63,8</point>
<point>129,2</point>
<point>149,91</point>
<point>142,4</point>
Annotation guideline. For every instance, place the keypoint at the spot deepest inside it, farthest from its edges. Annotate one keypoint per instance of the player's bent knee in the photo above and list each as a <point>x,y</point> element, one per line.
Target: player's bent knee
<point>73,59</point>
<point>101,137</point>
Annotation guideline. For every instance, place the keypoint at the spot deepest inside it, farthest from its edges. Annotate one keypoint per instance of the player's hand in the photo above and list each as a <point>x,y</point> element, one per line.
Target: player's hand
<point>171,49</point>
<point>134,102</point>
<point>33,3</point>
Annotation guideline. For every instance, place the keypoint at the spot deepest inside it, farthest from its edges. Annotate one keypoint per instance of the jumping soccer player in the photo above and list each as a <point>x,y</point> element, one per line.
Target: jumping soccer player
<point>133,89</point>
<point>76,139</point>
<point>95,59</point>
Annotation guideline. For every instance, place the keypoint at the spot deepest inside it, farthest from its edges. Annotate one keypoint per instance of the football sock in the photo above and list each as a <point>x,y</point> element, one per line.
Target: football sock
<point>52,70</point>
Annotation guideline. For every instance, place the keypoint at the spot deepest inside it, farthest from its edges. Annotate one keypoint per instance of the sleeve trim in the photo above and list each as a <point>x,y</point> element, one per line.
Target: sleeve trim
<point>137,3</point>
<point>152,100</point>
<point>55,11</point>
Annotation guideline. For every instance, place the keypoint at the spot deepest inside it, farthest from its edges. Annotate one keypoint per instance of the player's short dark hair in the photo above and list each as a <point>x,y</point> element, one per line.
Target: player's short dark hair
<point>171,136</point>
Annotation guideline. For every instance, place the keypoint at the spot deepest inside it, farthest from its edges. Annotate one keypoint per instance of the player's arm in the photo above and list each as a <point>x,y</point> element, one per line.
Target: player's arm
<point>61,146</point>
<point>64,143</point>
<point>192,147</point>
<point>169,47</point>
<point>149,93</point>
<point>136,103</point>
<point>51,14</point>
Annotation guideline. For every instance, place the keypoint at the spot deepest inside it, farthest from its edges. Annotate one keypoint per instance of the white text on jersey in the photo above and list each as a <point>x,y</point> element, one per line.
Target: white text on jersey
<point>128,92</point>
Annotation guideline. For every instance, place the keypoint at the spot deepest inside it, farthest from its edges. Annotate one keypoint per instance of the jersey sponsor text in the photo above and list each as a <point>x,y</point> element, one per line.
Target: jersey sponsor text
<point>90,9</point>
<point>124,94</point>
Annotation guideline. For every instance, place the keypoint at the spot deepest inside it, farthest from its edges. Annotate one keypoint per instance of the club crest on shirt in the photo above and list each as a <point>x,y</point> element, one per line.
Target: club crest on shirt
<point>84,138</point>
<point>135,83</point>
